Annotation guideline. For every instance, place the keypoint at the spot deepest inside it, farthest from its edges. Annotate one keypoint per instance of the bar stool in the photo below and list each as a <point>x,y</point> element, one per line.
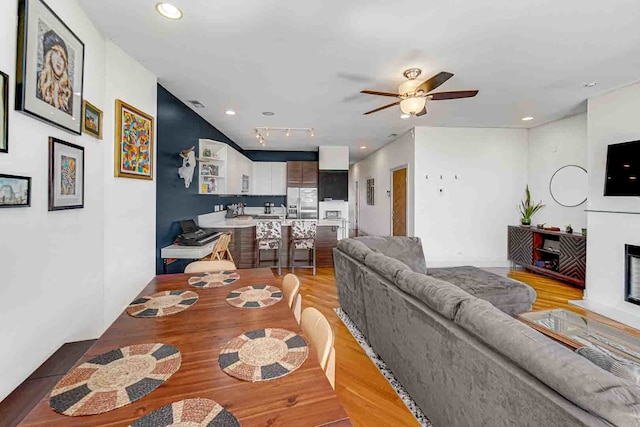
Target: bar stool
<point>303,236</point>
<point>269,237</point>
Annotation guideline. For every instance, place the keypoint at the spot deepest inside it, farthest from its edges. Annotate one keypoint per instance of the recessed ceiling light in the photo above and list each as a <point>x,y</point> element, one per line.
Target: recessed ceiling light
<point>363,147</point>
<point>592,84</point>
<point>230,113</point>
<point>527,119</point>
<point>168,10</point>
<point>405,116</point>
<point>268,113</point>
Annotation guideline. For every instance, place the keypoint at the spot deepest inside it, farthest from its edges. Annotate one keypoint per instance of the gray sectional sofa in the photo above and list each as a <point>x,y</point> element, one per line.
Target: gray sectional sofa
<point>464,361</point>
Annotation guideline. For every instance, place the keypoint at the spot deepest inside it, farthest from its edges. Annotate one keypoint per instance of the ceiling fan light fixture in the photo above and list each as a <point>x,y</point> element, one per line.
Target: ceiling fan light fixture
<point>412,105</point>
<point>408,87</point>
<point>405,116</point>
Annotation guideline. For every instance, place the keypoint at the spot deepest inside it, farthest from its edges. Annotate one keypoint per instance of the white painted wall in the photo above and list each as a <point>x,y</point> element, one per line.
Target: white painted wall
<point>467,222</point>
<point>612,118</point>
<point>376,219</point>
<point>552,146</point>
<point>333,158</point>
<point>130,204</point>
<point>61,279</point>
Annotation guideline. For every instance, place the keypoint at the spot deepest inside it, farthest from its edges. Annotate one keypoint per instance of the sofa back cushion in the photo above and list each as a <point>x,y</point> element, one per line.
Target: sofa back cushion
<point>441,296</point>
<point>354,248</point>
<point>385,266</point>
<point>577,379</point>
<point>405,249</point>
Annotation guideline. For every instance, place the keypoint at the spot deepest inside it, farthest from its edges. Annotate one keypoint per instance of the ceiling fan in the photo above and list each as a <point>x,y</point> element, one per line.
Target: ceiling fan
<point>414,96</point>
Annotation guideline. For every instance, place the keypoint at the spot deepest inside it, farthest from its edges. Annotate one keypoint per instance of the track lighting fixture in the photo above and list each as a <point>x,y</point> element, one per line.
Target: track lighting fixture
<point>262,132</point>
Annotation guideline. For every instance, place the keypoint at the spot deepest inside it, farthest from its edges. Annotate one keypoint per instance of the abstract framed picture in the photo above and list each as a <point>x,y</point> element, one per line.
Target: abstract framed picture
<point>4,113</point>
<point>134,142</point>
<point>50,67</point>
<point>66,175</point>
<point>15,191</point>
<point>91,120</point>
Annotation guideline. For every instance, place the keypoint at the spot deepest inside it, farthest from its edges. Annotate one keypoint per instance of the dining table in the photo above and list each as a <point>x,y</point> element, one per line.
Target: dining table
<point>302,398</point>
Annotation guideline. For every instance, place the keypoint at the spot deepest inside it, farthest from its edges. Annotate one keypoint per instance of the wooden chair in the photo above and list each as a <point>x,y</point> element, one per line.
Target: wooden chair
<point>210,266</point>
<point>291,289</point>
<point>221,249</point>
<point>317,329</point>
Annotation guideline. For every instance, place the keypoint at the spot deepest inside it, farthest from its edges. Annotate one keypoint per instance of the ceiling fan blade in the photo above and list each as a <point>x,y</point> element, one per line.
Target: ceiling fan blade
<point>382,108</point>
<point>423,112</point>
<point>375,92</point>
<point>453,95</point>
<point>434,82</point>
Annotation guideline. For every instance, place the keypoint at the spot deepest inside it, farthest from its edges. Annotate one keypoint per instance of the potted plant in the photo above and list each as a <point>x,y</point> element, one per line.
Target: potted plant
<point>527,210</point>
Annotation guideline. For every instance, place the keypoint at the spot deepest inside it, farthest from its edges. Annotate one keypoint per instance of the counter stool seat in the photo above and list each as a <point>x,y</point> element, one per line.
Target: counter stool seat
<point>303,236</point>
<point>268,244</point>
<point>269,237</point>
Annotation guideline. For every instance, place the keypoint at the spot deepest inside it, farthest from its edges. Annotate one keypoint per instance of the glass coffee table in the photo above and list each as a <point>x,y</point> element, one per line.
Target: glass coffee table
<point>574,330</point>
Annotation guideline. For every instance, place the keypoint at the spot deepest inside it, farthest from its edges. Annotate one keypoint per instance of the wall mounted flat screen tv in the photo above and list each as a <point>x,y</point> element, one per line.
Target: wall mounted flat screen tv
<point>623,170</point>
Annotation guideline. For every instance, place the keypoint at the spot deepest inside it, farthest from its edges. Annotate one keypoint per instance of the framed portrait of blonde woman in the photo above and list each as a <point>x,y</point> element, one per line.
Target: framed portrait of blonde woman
<point>50,67</point>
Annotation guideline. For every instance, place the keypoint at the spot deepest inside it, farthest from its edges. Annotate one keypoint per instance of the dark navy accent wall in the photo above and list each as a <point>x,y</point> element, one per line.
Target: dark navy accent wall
<point>281,156</point>
<point>178,128</point>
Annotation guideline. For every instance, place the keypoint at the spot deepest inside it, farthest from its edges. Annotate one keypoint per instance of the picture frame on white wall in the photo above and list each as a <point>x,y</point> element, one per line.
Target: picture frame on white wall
<point>50,67</point>
<point>15,191</point>
<point>66,175</point>
<point>4,113</point>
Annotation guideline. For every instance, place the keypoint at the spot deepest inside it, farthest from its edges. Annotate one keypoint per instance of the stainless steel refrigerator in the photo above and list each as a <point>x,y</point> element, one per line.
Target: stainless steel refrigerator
<point>302,203</point>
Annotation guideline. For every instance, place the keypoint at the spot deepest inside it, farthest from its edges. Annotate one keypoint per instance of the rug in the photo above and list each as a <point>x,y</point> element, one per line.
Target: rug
<point>114,379</point>
<point>255,296</point>
<point>213,280</point>
<point>263,354</point>
<point>162,303</point>
<point>189,412</point>
<point>382,367</point>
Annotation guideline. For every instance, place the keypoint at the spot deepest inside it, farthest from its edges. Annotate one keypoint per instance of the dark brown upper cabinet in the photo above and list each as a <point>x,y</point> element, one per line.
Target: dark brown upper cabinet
<point>302,174</point>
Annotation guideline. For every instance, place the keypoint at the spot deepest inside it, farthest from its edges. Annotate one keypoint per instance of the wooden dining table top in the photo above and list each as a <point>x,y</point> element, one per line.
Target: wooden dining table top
<point>302,398</point>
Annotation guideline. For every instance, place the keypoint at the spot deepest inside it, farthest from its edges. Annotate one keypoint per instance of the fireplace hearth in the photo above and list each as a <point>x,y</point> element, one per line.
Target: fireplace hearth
<point>632,274</point>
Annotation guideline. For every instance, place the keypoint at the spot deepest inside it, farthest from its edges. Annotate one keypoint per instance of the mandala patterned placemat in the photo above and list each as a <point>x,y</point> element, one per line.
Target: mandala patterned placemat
<point>255,296</point>
<point>189,412</point>
<point>214,280</point>
<point>114,379</point>
<point>263,354</point>
<point>162,303</point>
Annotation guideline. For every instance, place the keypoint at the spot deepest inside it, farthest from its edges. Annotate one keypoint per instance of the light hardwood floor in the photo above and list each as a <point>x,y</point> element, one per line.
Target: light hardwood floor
<point>364,393</point>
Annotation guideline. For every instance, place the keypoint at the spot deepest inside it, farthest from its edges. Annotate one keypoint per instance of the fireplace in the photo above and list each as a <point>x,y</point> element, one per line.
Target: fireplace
<point>632,273</point>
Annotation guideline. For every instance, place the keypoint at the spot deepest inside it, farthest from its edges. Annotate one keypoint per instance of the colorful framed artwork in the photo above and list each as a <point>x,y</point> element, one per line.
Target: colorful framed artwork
<point>91,120</point>
<point>50,67</point>
<point>15,191</point>
<point>134,142</point>
<point>66,175</point>
<point>4,113</point>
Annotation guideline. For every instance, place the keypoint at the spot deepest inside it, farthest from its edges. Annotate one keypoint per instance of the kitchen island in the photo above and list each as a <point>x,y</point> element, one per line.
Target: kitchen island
<point>243,245</point>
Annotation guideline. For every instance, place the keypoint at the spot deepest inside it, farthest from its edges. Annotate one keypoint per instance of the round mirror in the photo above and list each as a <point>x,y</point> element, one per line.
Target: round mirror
<point>568,186</point>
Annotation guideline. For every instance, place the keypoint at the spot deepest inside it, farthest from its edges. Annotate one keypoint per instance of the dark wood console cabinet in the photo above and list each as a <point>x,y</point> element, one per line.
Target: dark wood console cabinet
<point>554,253</point>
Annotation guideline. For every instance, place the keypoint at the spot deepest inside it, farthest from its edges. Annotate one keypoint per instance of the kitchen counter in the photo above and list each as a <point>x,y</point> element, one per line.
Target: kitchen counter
<point>245,223</point>
<point>243,240</point>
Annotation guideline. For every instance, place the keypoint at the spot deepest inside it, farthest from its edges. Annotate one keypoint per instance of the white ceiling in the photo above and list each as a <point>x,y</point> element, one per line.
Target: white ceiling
<point>307,60</point>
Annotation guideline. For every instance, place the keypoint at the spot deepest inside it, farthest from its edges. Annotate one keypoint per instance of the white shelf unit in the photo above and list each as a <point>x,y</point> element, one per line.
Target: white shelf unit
<point>212,155</point>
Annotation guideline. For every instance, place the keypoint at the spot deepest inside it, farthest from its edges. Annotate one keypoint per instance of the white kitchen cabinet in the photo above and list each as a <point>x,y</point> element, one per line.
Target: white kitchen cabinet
<point>261,178</point>
<point>269,178</point>
<point>279,178</point>
<point>237,166</point>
